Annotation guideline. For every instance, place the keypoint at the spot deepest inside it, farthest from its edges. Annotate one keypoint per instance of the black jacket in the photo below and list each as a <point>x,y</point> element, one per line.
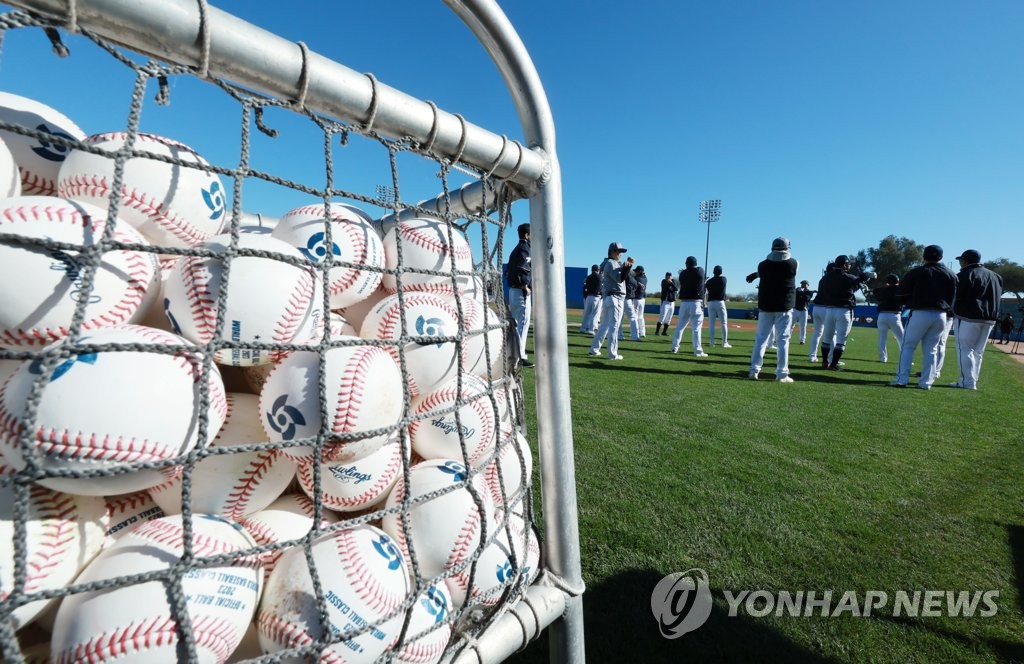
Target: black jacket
<point>838,288</point>
<point>592,284</point>
<point>978,292</point>
<point>888,300</point>
<point>777,289</point>
<point>668,290</point>
<point>803,296</point>
<point>519,268</point>
<point>928,286</point>
<point>716,287</point>
<point>691,283</point>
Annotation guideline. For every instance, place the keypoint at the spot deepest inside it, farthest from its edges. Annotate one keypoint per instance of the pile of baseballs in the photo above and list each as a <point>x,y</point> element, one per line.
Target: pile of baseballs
<point>253,402</point>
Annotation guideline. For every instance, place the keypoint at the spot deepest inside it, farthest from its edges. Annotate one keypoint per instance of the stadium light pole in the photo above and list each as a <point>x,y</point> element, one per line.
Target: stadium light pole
<point>710,211</point>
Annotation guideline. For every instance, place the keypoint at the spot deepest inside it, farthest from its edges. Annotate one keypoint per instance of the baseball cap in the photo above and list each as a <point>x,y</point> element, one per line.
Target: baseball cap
<point>892,279</point>
<point>805,283</point>
<point>616,246</point>
<point>594,268</point>
<point>780,244</point>
<point>841,260</point>
<point>638,268</point>
<point>971,256</point>
<point>933,252</point>
<point>691,261</point>
<point>668,274</point>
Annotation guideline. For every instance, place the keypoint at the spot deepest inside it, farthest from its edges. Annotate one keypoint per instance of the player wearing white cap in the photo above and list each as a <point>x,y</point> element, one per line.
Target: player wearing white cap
<point>613,293</point>
<point>776,294</point>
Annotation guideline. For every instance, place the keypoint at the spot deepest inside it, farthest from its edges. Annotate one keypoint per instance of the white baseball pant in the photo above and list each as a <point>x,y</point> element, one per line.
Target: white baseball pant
<point>638,320</point>
<point>718,314</point>
<point>925,327</point>
<point>519,306</point>
<point>971,339</point>
<point>611,323</point>
<point>591,313</point>
<point>800,318</point>
<point>781,323</point>
<point>940,352</point>
<point>668,308</point>
<point>888,321</point>
<point>691,312</point>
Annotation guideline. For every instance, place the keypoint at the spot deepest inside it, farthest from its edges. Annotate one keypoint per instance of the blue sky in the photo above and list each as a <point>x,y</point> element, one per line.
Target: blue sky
<point>831,123</point>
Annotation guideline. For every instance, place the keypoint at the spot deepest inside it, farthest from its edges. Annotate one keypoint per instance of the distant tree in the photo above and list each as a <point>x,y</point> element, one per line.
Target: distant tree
<point>894,255</point>
<point>1012,274</point>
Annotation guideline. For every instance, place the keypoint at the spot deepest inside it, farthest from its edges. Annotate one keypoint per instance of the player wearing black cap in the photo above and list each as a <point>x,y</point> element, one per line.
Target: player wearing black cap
<point>717,313</point>
<point>637,325</point>
<point>803,298</point>
<point>928,291</point>
<point>691,306</point>
<point>776,294</point>
<point>889,316</point>
<point>975,310</point>
<point>591,300</point>
<point>519,283</point>
<point>668,304</point>
<point>836,298</point>
<point>818,318</point>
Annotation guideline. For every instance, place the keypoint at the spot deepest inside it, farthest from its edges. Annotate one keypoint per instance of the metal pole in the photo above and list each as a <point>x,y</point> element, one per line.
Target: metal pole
<point>554,417</point>
<point>709,212</point>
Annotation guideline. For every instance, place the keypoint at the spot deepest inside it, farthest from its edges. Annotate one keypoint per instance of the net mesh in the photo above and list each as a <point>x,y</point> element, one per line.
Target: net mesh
<point>53,525</point>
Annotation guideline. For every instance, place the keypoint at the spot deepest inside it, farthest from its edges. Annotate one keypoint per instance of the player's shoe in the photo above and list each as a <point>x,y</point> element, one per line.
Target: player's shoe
<point>614,357</point>
<point>896,383</point>
<point>784,379</point>
<point>701,353</point>
<point>752,375</point>
<point>593,353</point>
<point>726,345</point>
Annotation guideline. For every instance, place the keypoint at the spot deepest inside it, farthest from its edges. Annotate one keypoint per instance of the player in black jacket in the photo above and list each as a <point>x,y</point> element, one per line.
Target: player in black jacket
<point>890,315</point>
<point>591,301</point>
<point>803,298</point>
<point>776,295</point>
<point>668,304</point>
<point>837,297</point>
<point>928,291</point>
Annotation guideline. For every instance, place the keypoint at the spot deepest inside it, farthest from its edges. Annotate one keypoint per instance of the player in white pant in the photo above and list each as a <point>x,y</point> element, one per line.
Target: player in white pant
<point>613,274</point>
<point>519,284</point>
<point>668,304</point>
<point>637,326</point>
<point>890,313</point>
<point>779,324</point>
<point>979,292</point>
<point>837,296</point>
<point>591,301</point>
<point>717,313</point>
<point>775,300</point>
<point>940,350</point>
<point>928,291</point>
<point>834,330</point>
<point>691,312</point>
<point>803,299</point>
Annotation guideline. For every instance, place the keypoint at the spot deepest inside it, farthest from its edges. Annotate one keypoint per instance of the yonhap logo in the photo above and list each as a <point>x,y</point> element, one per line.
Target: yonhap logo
<point>681,602</point>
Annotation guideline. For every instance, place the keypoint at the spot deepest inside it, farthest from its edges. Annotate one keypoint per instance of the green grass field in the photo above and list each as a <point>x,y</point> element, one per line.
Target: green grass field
<point>835,482</point>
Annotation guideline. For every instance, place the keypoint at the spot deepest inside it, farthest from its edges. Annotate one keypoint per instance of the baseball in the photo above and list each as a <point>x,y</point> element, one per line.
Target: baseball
<point>38,158</point>
<point>232,484</point>
<point>127,512</point>
<point>356,313</point>
<point>175,205</point>
<point>135,623</point>
<point>10,176</point>
<point>435,432</point>
<point>510,474</point>
<point>353,240</point>
<point>429,627</point>
<point>268,301</point>
<point>363,394</point>
<point>426,315</point>
<point>290,517</point>
<point>355,485</point>
<point>43,286</point>
<point>484,344</point>
<point>145,411</point>
<point>364,578</point>
<point>443,531</point>
<point>62,534</point>
<point>511,557</point>
<point>427,245</point>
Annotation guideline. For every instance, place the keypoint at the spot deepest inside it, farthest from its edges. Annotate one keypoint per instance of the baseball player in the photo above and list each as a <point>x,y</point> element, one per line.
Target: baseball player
<point>837,294</point>
<point>928,292</point>
<point>613,293</point>
<point>803,298</point>
<point>776,295</point>
<point>668,304</point>
<point>591,301</point>
<point>717,313</point>
<point>519,282</point>
<point>637,326</point>
<point>890,315</point>
<point>975,310</point>
<point>818,319</point>
<point>691,306</point>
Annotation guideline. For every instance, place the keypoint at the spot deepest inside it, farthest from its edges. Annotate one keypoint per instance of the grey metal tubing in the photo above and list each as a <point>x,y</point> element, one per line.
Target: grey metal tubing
<point>261,61</point>
<point>554,417</point>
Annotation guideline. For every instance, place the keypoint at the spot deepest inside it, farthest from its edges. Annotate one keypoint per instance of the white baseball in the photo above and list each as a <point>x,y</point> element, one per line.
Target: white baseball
<point>42,287</point>
<point>427,245</point>
<point>236,484</point>
<point>484,344</point>
<point>39,159</point>
<point>511,557</point>
<point>62,533</point>
<point>104,410</point>
<point>173,205</point>
<point>135,623</point>
<point>290,517</point>
<point>444,531</point>
<point>364,578</point>
<point>436,434</point>
<point>10,176</point>
<point>127,512</point>
<point>430,628</point>
<point>364,393</point>
<point>353,240</point>
<point>429,364</point>
<point>355,485</point>
<point>268,301</point>
<point>511,471</point>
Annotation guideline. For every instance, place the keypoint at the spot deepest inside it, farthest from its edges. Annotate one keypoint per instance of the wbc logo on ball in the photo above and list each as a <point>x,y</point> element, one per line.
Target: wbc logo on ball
<point>52,152</point>
<point>681,602</point>
<point>429,327</point>
<point>387,549</point>
<point>36,367</point>
<point>315,249</point>
<point>214,199</point>
<point>435,604</point>
<point>284,418</point>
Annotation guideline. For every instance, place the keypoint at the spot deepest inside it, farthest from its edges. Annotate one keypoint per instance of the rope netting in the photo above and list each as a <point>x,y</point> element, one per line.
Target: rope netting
<point>230,436</point>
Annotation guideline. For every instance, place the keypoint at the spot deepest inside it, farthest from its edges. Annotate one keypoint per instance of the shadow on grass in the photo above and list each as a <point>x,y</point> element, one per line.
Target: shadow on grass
<point>1006,651</point>
<point>1015,535</point>
<point>620,627</point>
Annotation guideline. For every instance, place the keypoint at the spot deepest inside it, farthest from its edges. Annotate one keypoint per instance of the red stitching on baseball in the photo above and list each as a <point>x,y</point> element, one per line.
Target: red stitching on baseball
<point>295,312</point>
<point>240,498</point>
<point>367,497</point>
<point>196,277</point>
<point>33,184</point>
<point>290,635</point>
<point>350,389</point>
<point>214,634</point>
<point>361,578</point>
<point>421,237</point>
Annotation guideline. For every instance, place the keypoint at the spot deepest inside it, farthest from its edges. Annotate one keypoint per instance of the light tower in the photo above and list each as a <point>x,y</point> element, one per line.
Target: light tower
<point>710,211</point>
